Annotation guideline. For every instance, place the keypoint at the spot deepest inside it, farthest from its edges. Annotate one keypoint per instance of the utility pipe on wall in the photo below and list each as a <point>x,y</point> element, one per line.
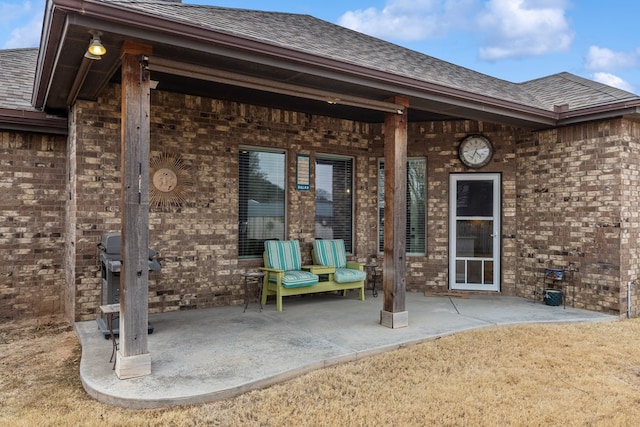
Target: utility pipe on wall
<point>629,299</point>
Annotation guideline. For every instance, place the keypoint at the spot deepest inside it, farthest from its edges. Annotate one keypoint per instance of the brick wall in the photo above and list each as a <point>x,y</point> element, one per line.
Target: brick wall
<point>198,241</point>
<point>438,141</point>
<point>32,198</point>
<point>96,181</point>
<point>577,205</point>
<point>629,166</point>
<point>569,195</point>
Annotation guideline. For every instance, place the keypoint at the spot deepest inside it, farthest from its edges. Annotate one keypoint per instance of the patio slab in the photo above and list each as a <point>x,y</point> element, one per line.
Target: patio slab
<point>200,356</point>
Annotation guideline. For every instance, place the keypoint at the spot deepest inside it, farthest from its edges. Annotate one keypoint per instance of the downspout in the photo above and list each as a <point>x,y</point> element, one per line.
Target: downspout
<point>629,299</point>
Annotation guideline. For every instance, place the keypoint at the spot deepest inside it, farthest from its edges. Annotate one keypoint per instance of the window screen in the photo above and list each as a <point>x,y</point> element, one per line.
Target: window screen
<point>334,199</point>
<point>261,209</point>
<point>416,232</point>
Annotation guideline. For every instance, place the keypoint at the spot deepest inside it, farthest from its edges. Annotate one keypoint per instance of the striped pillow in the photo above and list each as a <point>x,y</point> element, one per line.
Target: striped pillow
<point>283,255</point>
<point>330,253</point>
<point>348,275</point>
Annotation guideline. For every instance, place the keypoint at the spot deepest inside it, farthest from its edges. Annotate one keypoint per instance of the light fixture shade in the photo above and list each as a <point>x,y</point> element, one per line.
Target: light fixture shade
<point>95,47</point>
<point>90,55</point>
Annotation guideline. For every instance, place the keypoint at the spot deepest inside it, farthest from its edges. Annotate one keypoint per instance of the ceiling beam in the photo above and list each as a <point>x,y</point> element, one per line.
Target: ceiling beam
<point>208,74</point>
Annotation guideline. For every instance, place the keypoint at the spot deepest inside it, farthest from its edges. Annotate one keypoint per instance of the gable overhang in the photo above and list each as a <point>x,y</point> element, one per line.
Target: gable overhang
<point>32,121</point>
<point>196,60</point>
<point>629,110</point>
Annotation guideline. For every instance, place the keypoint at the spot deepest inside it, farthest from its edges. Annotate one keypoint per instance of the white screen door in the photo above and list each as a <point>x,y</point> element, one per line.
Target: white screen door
<point>474,236</point>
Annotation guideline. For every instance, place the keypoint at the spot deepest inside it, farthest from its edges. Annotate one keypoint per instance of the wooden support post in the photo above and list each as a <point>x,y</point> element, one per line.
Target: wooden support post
<point>394,314</point>
<point>133,359</point>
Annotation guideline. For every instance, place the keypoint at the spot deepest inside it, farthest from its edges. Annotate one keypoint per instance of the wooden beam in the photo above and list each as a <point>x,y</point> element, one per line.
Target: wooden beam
<point>133,357</point>
<point>394,313</point>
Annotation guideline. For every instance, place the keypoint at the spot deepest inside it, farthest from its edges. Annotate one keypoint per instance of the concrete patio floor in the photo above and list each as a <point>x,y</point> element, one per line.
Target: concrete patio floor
<point>200,356</point>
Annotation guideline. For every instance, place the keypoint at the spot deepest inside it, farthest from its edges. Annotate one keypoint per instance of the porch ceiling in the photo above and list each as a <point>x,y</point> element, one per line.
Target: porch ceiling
<point>296,81</point>
<point>70,63</point>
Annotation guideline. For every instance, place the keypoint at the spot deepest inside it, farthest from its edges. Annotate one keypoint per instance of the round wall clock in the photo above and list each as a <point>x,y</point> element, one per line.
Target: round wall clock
<point>475,151</point>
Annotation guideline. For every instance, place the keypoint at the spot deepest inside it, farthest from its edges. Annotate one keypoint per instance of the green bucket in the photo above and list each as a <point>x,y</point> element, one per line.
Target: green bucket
<point>552,297</point>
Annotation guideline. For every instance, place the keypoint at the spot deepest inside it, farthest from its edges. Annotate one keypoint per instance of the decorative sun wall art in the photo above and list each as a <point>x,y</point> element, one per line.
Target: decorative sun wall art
<point>170,179</point>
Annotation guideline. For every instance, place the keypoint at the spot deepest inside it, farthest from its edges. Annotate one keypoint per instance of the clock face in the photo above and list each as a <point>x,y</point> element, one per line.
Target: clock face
<point>475,151</point>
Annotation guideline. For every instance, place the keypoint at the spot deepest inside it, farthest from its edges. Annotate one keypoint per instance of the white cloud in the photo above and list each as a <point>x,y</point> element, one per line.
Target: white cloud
<point>27,35</point>
<point>408,20</point>
<point>9,11</point>
<point>517,28</point>
<point>612,80</point>
<point>25,21</point>
<point>509,28</point>
<point>600,58</point>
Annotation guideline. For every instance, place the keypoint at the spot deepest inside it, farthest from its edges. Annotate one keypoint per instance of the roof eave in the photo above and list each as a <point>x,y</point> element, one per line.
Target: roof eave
<point>629,109</point>
<point>460,100</point>
<point>44,63</point>
<point>31,121</point>
<point>422,94</point>
<point>196,37</point>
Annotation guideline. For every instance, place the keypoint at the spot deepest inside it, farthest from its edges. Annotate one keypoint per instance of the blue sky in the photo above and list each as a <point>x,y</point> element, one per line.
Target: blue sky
<point>515,40</point>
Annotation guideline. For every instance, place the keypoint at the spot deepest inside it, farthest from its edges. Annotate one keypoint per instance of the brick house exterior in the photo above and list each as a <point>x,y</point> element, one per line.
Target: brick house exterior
<point>569,191</point>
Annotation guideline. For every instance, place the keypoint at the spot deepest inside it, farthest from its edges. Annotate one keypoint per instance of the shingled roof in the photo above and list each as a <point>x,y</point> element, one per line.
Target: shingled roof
<point>576,92</point>
<point>17,68</point>
<point>314,36</point>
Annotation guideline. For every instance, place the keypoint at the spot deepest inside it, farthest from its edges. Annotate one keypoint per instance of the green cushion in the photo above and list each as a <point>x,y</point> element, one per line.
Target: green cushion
<point>348,275</point>
<point>283,255</point>
<point>330,253</point>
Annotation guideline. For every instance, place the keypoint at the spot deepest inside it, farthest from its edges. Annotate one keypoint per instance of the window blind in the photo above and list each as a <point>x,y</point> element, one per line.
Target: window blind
<point>261,210</point>
<point>334,199</point>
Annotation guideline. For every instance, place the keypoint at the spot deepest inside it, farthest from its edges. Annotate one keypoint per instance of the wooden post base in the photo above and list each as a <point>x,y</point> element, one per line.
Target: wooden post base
<point>394,320</point>
<point>133,366</point>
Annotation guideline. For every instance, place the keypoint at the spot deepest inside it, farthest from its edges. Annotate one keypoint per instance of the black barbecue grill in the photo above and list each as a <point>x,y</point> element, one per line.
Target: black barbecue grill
<point>110,261</point>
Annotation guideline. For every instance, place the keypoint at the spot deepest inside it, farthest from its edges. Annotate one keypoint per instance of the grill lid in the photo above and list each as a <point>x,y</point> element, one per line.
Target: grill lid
<point>110,243</point>
<point>110,251</point>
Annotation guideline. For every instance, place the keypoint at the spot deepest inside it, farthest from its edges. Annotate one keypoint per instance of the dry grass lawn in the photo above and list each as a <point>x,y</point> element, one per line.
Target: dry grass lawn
<point>534,375</point>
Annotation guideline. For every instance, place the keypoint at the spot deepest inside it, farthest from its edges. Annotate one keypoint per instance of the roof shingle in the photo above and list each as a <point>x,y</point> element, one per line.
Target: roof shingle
<point>305,33</point>
<point>314,36</point>
<point>17,70</point>
<point>310,35</point>
<point>577,92</point>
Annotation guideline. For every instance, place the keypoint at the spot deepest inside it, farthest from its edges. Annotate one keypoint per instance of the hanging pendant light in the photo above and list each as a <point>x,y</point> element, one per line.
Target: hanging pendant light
<point>96,48</point>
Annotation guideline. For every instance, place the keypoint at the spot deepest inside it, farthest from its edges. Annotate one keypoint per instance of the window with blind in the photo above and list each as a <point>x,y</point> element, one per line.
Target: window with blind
<point>334,199</point>
<point>261,205</point>
<point>416,232</point>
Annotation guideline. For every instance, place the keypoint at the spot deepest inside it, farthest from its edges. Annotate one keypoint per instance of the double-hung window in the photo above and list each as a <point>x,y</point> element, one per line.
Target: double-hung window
<point>416,232</point>
<point>334,199</point>
<point>261,201</point>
